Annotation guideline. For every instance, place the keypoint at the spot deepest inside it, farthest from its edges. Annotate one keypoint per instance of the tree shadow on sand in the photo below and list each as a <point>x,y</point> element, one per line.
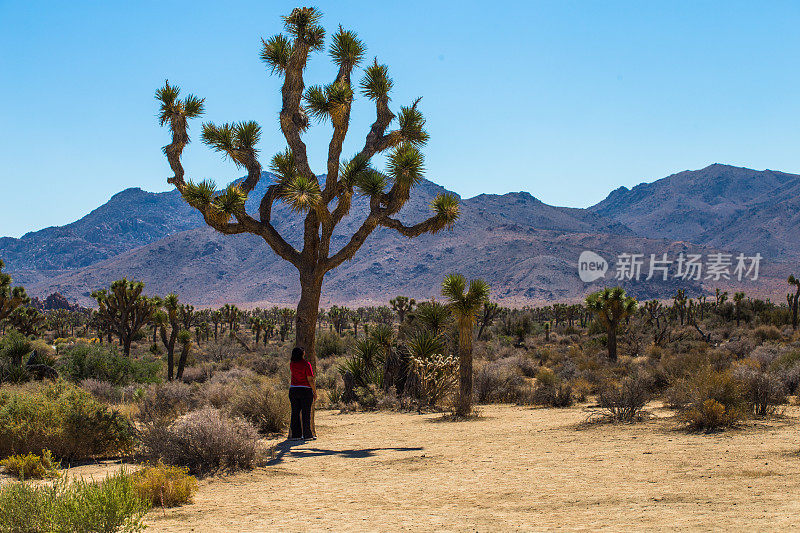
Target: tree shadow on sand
<point>287,447</point>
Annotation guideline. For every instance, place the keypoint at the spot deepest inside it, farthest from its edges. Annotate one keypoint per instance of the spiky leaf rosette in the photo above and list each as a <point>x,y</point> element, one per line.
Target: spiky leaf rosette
<point>300,193</point>
<point>349,171</point>
<point>237,141</point>
<point>283,165</point>
<point>275,52</point>
<point>171,105</point>
<point>330,102</point>
<point>199,195</point>
<point>406,166</point>
<point>228,203</point>
<point>302,23</point>
<point>464,303</point>
<point>446,207</point>
<point>347,50</point>
<point>376,82</point>
<point>412,125</point>
<point>371,183</point>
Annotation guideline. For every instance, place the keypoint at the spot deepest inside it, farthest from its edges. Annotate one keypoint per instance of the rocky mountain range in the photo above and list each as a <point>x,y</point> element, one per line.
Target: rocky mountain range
<point>527,250</point>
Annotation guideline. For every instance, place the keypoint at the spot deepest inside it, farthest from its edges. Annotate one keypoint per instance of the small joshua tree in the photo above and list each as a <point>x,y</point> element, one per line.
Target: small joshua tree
<point>792,299</point>
<point>611,306</point>
<point>738,301</point>
<point>403,305</point>
<point>321,203</point>
<point>123,309</point>
<point>464,303</point>
<point>10,298</point>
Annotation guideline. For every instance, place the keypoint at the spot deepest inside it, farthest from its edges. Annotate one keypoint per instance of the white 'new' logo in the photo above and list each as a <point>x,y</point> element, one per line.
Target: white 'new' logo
<point>591,266</point>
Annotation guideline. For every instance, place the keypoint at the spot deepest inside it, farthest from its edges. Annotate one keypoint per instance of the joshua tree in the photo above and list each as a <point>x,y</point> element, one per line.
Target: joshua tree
<point>230,315</point>
<point>610,306</point>
<point>322,203</point>
<point>738,300</point>
<point>793,299</point>
<point>489,313</point>
<point>679,304</point>
<point>185,340</point>
<point>124,309</point>
<point>170,317</point>
<point>402,305</point>
<point>10,298</point>
<point>257,324</point>
<point>464,303</point>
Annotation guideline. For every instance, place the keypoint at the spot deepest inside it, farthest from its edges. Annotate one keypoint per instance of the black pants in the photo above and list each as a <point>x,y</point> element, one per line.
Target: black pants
<point>301,399</point>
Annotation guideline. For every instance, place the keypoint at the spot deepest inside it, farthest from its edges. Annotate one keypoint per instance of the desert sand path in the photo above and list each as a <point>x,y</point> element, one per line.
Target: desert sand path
<point>515,469</point>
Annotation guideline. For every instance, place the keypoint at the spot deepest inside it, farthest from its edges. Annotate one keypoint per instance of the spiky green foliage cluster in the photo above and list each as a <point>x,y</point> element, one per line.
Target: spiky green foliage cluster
<point>412,125</point>
<point>237,140</point>
<point>328,102</point>
<point>300,193</point>
<point>275,52</point>
<point>172,105</point>
<point>347,50</point>
<point>406,165</point>
<point>231,201</point>
<point>376,82</point>
<point>446,206</point>
<point>199,195</point>
<point>464,302</point>
<point>303,24</point>
<point>611,305</point>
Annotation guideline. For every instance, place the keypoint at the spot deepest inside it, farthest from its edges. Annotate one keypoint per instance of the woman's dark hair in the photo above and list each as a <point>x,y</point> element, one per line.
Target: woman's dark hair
<point>298,354</point>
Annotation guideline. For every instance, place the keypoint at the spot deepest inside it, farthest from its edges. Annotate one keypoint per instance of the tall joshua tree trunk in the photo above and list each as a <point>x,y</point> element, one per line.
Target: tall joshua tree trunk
<point>323,205</point>
<point>307,314</point>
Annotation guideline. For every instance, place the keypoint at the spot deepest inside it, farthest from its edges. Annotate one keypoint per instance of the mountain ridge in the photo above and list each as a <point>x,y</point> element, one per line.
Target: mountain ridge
<point>525,248</point>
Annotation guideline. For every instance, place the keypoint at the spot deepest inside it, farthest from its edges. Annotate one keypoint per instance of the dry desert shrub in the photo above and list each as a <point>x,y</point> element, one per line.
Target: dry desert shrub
<point>551,390</point>
<point>499,381</point>
<point>625,400</point>
<point>203,441</point>
<point>164,485</point>
<point>262,402</point>
<point>691,396</point>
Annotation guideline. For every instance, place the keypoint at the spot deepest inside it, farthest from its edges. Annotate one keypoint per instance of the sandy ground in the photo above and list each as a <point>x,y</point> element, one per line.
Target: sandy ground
<point>514,469</point>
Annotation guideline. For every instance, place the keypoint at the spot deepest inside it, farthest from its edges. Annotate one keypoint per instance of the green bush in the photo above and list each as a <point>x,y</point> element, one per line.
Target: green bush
<point>15,348</point>
<point>30,466</point>
<point>73,507</point>
<point>62,418</point>
<point>105,364</point>
<point>330,344</point>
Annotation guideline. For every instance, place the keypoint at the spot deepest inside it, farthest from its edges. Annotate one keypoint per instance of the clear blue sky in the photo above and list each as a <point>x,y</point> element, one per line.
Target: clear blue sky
<point>566,100</point>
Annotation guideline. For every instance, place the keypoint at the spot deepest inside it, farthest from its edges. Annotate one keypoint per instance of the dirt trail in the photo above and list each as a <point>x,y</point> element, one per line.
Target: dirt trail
<point>514,469</point>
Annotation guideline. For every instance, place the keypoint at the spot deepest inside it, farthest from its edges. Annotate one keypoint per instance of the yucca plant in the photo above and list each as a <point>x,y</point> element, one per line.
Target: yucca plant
<point>610,306</point>
<point>465,302</point>
<point>322,204</point>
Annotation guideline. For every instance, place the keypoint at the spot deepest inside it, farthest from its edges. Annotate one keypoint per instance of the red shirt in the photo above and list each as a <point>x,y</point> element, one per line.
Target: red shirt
<point>300,371</point>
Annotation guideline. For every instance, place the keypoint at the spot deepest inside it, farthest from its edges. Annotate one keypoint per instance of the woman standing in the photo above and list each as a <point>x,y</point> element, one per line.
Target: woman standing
<point>302,394</point>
